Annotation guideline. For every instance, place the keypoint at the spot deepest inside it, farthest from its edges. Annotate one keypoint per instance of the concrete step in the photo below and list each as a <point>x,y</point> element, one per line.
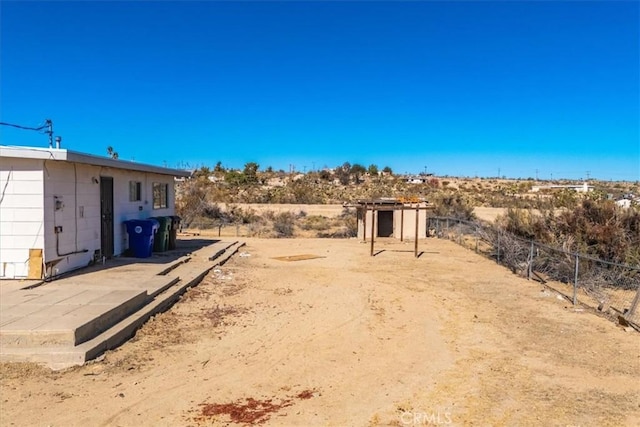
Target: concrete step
<point>219,249</point>
<point>158,284</point>
<point>224,256</point>
<point>64,325</point>
<point>53,357</point>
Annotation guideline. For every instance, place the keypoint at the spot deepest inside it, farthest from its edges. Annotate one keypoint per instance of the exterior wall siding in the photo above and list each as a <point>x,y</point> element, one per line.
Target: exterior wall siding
<point>21,210</point>
<point>408,221</point>
<point>71,201</point>
<point>124,209</point>
<point>39,196</point>
<point>76,187</point>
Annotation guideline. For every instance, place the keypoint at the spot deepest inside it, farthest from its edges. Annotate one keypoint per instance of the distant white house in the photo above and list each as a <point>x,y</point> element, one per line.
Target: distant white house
<point>628,200</point>
<point>624,203</point>
<point>415,179</point>
<point>580,188</point>
<point>61,210</point>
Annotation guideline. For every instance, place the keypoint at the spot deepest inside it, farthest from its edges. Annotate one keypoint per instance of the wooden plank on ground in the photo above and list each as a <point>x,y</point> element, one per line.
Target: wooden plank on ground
<point>35,264</point>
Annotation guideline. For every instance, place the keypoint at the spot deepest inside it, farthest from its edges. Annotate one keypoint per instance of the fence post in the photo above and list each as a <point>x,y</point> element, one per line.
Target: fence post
<point>476,244</point>
<point>498,254</point>
<point>632,310</point>
<point>530,261</point>
<point>575,281</point>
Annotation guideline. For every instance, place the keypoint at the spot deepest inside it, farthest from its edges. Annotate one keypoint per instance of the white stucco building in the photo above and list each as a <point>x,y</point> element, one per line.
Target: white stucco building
<point>61,210</point>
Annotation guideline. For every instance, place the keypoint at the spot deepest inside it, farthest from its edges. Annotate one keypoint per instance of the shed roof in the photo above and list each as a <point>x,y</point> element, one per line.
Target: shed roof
<point>64,155</point>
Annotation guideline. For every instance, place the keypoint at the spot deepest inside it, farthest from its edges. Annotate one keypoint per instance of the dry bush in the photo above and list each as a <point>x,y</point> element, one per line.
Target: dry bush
<point>315,222</point>
<point>453,205</point>
<point>284,224</point>
<point>596,228</point>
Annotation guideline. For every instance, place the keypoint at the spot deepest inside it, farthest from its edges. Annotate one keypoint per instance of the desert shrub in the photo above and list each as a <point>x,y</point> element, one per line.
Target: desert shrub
<point>597,228</point>
<point>284,224</point>
<point>350,223</point>
<point>315,222</point>
<point>527,224</point>
<point>602,229</point>
<point>238,215</point>
<point>454,206</point>
<point>343,226</point>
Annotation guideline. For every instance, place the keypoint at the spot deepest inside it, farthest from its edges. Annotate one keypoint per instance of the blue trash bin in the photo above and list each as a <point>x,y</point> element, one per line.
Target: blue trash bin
<point>141,233</point>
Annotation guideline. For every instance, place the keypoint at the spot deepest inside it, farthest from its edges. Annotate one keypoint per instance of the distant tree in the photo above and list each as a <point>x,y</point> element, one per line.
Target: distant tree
<point>357,171</point>
<point>250,172</point>
<point>218,169</point>
<point>112,153</point>
<point>269,169</point>
<point>343,173</point>
<point>235,177</point>
<point>203,172</point>
<point>325,175</point>
<point>388,170</point>
<point>372,170</point>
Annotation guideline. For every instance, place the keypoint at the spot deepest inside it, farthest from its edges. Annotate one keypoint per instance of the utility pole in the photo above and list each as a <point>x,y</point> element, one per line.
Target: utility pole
<point>588,175</point>
<point>536,174</point>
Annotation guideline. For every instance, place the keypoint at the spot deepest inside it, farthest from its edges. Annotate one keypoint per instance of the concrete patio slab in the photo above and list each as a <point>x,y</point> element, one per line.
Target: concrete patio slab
<point>74,318</point>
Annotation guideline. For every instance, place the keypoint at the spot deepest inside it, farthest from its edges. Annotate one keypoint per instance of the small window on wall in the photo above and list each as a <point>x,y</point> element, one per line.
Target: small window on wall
<point>135,191</point>
<point>160,192</point>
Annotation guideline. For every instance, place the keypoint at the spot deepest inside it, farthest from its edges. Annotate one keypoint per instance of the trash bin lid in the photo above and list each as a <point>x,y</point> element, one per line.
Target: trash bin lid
<point>163,222</point>
<point>141,226</point>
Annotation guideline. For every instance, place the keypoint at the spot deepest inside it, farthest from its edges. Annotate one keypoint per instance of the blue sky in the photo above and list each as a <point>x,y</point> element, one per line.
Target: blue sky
<point>547,88</point>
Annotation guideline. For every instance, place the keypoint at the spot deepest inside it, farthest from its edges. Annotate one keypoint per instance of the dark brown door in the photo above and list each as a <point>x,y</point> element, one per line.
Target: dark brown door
<point>106,213</point>
<point>385,223</point>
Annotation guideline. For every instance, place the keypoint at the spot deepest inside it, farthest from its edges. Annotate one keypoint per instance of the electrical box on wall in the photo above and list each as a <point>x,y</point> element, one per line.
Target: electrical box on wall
<point>57,203</point>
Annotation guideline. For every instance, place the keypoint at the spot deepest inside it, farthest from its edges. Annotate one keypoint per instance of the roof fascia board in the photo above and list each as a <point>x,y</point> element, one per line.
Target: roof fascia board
<point>72,156</point>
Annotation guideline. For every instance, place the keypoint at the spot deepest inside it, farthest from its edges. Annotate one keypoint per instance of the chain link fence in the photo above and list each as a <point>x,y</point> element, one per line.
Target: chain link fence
<point>611,288</point>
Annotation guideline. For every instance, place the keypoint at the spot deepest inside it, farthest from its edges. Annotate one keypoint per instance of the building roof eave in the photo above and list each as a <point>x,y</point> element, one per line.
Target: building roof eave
<point>64,155</point>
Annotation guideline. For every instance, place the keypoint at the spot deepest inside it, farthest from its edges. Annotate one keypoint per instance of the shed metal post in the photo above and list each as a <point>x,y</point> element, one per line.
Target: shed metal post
<point>530,267</point>
<point>575,281</point>
<point>402,223</point>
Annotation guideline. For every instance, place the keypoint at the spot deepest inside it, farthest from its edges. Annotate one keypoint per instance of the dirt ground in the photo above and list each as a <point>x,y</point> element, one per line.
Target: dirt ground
<point>329,336</point>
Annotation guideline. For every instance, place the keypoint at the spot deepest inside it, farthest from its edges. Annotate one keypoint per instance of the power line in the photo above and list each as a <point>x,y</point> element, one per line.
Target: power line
<point>44,126</point>
<point>48,125</point>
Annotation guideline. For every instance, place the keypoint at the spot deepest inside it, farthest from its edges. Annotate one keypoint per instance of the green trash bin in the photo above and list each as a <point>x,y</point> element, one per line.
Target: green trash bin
<point>161,241</point>
<point>175,226</point>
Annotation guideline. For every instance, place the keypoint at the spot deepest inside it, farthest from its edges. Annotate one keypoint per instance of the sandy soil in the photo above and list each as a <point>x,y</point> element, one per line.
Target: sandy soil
<point>340,338</point>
